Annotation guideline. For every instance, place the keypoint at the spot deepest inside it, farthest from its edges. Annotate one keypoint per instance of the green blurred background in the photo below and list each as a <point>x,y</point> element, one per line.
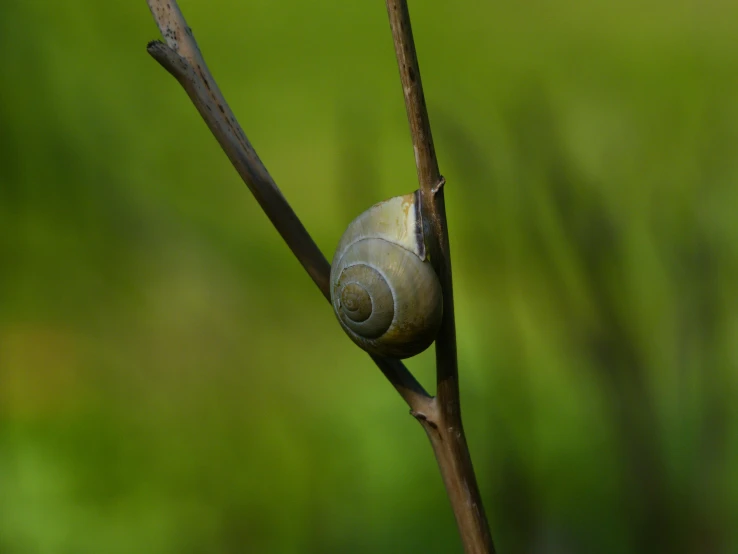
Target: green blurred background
<point>171,381</point>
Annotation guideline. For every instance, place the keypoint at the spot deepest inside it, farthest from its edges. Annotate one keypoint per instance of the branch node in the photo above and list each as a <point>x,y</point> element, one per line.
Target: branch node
<point>439,185</point>
<point>418,415</point>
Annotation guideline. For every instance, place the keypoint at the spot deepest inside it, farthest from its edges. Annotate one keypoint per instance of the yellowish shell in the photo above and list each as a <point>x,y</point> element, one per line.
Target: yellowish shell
<point>384,291</point>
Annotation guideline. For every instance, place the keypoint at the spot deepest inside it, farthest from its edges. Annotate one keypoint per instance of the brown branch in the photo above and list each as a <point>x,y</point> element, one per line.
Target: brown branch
<point>443,424</point>
<point>181,57</point>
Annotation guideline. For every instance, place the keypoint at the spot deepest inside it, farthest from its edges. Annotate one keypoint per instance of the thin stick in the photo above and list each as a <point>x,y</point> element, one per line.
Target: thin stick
<point>182,58</point>
<point>443,424</point>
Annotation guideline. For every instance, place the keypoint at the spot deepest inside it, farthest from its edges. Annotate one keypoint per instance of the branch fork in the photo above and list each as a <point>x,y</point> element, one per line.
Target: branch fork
<point>440,416</point>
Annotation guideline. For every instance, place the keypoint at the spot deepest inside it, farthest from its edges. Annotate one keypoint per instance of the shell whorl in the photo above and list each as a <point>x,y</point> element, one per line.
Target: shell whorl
<point>383,289</point>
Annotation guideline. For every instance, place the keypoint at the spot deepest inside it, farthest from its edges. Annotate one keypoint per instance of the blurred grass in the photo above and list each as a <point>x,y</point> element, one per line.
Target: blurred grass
<point>170,381</point>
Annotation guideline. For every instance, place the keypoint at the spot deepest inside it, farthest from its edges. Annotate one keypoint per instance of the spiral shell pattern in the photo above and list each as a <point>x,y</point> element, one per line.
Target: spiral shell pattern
<point>384,291</point>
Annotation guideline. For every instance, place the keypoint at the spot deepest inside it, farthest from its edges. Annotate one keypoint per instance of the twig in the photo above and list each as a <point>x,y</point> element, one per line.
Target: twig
<point>443,424</point>
<point>181,57</point>
<point>439,416</point>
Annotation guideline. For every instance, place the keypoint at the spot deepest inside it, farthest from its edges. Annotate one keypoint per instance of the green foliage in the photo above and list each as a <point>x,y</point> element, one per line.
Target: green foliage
<point>171,380</point>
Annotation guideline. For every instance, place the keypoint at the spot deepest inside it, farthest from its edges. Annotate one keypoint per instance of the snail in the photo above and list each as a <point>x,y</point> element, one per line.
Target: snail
<point>384,290</point>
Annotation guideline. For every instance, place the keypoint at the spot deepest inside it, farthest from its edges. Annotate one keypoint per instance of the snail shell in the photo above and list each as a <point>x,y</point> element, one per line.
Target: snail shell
<point>384,291</point>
